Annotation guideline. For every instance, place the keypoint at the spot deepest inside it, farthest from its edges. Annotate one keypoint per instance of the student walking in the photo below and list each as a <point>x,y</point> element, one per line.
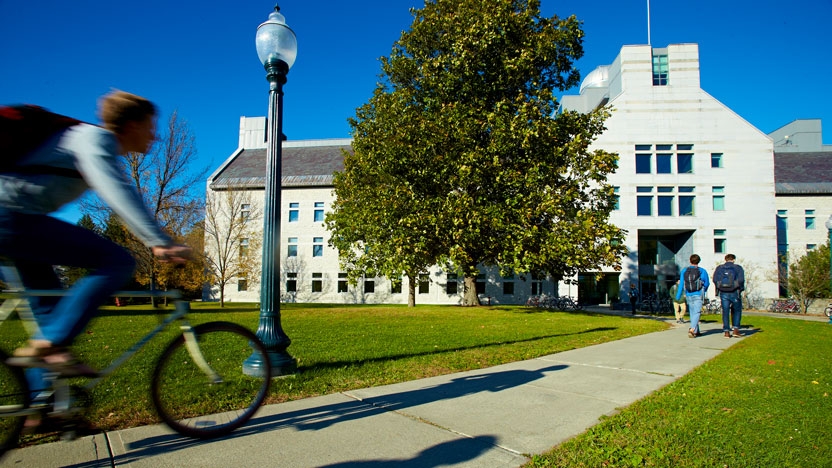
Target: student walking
<point>729,282</point>
<point>696,282</point>
<point>680,306</point>
<point>633,294</point>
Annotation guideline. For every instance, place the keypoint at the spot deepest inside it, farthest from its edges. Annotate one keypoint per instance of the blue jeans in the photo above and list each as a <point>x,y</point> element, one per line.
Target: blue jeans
<point>34,243</point>
<point>694,309</point>
<point>731,300</point>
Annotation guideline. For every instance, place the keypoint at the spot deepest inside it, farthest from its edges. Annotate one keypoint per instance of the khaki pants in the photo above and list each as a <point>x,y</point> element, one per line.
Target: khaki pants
<point>679,310</point>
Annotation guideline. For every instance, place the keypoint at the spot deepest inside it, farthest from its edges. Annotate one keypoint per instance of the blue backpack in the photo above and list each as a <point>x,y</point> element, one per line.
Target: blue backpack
<point>727,279</point>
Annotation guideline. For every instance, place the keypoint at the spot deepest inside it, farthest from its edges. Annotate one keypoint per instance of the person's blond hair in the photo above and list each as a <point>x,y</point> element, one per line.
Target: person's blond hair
<point>117,107</point>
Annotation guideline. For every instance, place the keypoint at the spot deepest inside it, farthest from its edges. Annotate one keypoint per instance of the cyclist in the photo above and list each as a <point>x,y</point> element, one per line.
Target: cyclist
<point>44,181</point>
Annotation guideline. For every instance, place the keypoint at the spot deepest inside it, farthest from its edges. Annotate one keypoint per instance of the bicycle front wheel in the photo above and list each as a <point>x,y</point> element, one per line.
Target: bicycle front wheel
<point>204,392</point>
<point>14,399</point>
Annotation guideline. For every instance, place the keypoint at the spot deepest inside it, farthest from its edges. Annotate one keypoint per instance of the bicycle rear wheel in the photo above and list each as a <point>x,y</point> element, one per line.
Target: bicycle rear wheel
<point>14,398</point>
<point>191,402</point>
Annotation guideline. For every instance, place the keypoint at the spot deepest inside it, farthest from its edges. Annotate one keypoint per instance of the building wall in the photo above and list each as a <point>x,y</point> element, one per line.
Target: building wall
<point>801,233</point>
<point>681,113</point>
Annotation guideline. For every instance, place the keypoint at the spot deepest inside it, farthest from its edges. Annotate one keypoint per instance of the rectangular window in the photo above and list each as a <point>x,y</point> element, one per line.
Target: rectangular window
<point>396,285</point>
<point>660,69</point>
<point>720,242</point>
<point>369,286</point>
<point>293,212</point>
<point>424,283</point>
<point>716,159</point>
<point>617,205</point>
<point>665,201</point>
<point>244,243</point>
<point>508,285</point>
<point>811,247</point>
<point>643,163</point>
<point>719,198</point>
<point>452,284</point>
<point>480,284</point>
<point>810,219</point>
<point>537,284</point>
<point>317,246</point>
<point>664,163</point>
<point>644,147</point>
<point>317,282</point>
<point>644,203</point>
<point>319,212</point>
<point>343,286</point>
<point>664,147</point>
<point>242,284</point>
<point>245,212</point>
<point>684,163</point>
<point>292,247</point>
<point>686,202</point>
<point>291,282</point>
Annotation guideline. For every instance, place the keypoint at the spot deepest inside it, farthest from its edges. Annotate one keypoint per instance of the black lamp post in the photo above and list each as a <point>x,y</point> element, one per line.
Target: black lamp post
<point>277,48</point>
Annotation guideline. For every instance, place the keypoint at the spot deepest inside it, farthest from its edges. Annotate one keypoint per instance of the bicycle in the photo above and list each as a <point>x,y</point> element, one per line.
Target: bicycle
<point>713,306</point>
<point>199,387</point>
<point>788,306</point>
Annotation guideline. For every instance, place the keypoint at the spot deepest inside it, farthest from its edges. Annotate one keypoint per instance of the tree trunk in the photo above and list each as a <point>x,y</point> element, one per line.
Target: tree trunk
<point>470,297</point>
<point>411,291</point>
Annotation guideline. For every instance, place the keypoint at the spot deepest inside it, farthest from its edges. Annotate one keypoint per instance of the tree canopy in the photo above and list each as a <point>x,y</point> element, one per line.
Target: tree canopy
<point>460,156</point>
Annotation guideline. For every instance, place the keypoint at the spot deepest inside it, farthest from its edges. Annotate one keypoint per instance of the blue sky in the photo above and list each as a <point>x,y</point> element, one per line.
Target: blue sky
<point>769,61</point>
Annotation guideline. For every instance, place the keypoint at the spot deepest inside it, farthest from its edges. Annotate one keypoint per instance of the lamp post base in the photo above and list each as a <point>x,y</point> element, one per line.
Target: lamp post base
<point>281,363</point>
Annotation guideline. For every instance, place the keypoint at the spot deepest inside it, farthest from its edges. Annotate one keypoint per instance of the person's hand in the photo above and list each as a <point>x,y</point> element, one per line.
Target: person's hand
<point>172,253</point>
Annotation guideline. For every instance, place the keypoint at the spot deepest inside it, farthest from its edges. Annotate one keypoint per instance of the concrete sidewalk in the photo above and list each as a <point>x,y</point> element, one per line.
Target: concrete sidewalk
<point>494,417</point>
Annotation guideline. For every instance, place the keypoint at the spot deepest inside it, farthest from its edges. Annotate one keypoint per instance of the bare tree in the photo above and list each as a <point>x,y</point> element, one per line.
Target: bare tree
<point>232,242</point>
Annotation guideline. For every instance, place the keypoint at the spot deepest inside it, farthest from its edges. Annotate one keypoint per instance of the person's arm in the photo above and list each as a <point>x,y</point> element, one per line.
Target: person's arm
<point>706,282</point>
<point>741,278</point>
<point>97,159</point>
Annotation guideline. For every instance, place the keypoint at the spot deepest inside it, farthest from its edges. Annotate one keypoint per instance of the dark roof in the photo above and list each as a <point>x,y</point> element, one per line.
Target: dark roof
<point>311,166</point>
<point>803,173</point>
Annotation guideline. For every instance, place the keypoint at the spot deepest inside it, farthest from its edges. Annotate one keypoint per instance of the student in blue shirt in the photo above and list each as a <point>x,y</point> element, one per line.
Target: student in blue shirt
<point>695,289</point>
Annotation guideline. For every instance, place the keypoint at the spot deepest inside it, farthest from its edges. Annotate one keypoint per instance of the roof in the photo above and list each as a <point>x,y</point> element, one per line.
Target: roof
<point>303,166</point>
<point>803,173</point>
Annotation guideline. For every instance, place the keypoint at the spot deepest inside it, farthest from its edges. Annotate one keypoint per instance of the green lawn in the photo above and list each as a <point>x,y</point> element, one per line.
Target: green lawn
<point>764,402</point>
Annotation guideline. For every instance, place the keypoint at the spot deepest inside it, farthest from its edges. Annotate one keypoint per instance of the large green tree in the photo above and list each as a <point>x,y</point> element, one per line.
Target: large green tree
<point>460,155</point>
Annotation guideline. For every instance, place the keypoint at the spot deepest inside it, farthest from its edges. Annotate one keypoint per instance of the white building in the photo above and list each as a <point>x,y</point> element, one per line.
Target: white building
<point>693,177</point>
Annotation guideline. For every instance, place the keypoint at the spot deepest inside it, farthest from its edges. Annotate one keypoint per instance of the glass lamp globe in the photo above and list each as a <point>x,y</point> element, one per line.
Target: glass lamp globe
<point>276,41</point>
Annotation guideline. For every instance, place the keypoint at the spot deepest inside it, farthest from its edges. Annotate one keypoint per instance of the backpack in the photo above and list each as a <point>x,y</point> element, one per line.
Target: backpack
<point>693,279</point>
<point>728,279</point>
<point>23,128</point>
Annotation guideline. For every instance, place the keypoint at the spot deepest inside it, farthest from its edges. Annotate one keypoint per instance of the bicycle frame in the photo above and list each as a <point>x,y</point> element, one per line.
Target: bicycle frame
<point>19,304</point>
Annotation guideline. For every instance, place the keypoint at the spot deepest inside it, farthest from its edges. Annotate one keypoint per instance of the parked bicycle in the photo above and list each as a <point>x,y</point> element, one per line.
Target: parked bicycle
<point>787,306</point>
<point>712,306</point>
<point>199,386</point>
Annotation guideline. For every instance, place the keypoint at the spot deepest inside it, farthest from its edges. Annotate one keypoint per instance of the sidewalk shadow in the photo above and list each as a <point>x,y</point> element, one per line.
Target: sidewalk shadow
<point>321,417</point>
<point>444,454</point>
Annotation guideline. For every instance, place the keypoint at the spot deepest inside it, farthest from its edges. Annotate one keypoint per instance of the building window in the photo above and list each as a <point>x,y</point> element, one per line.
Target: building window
<point>508,285</point>
<point>242,284</point>
<point>664,163</point>
<point>480,284</point>
<point>720,241</point>
<point>665,202</point>
<point>810,219</point>
<point>659,69</point>
<point>342,283</point>
<point>291,282</point>
<point>643,163</point>
<point>293,212</point>
<point>245,212</point>
<point>396,285</point>
<point>716,159</point>
<point>686,202</point>
<point>452,284</point>
<point>317,246</point>
<point>317,282</point>
<point>684,163</point>
<point>292,247</point>
<point>644,203</point>
<point>424,283</point>
<point>244,243</point>
<point>369,286</point>
<point>319,212</point>
<point>617,197</point>
<point>537,284</point>
<point>811,247</point>
<point>719,198</point>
